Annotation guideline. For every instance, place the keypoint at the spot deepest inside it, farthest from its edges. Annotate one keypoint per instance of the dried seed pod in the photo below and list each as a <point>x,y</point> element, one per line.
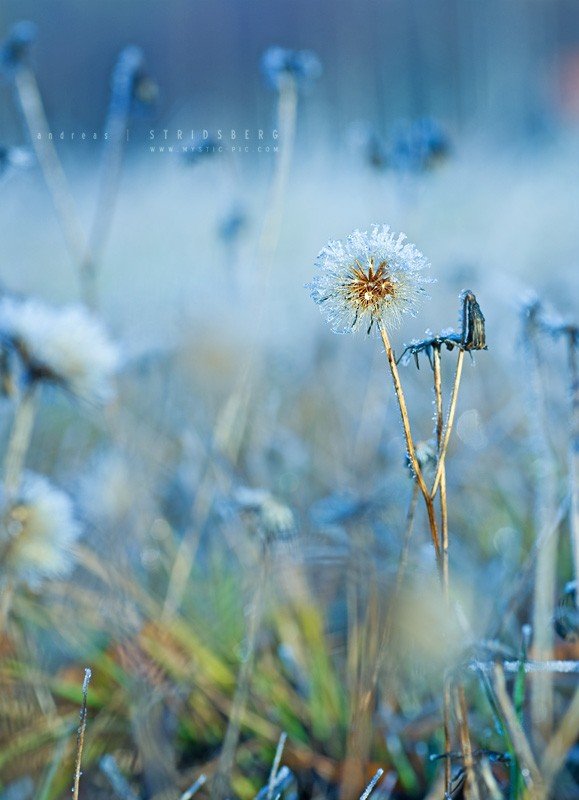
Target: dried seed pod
<point>473,323</point>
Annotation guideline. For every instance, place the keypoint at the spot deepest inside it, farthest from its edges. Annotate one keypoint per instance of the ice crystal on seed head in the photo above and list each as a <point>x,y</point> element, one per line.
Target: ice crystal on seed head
<point>65,346</point>
<point>37,532</point>
<point>369,278</point>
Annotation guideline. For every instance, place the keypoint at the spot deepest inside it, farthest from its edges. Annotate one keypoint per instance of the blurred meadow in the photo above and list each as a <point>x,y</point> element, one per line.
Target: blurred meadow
<point>208,498</point>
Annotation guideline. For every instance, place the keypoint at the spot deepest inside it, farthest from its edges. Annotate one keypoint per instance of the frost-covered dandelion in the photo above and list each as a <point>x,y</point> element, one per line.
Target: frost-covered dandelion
<point>67,347</point>
<point>370,278</point>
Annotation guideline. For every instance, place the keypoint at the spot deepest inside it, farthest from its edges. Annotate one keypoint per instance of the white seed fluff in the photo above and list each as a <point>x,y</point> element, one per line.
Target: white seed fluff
<point>67,346</point>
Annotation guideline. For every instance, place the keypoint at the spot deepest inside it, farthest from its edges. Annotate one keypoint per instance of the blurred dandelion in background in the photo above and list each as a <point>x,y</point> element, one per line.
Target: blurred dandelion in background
<point>39,531</point>
<point>66,347</point>
<point>279,63</point>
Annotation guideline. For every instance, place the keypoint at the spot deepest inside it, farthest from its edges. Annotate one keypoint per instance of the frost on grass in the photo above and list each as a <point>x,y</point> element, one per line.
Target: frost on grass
<point>370,278</point>
<point>68,346</point>
<point>37,533</point>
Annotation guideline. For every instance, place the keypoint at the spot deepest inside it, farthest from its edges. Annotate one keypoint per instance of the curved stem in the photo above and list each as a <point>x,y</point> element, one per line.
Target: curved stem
<point>410,442</point>
<point>449,423</point>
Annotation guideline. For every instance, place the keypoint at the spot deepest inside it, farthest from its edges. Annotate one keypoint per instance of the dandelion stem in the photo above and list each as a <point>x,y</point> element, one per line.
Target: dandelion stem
<point>436,363</point>
<point>34,115</point>
<point>110,173</point>
<point>287,115</point>
<point>449,424</point>
<point>19,441</point>
<point>446,689</point>
<point>410,442</point>
<point>221,780</point>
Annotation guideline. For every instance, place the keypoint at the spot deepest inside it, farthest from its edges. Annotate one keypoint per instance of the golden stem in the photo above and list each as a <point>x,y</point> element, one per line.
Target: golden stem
<point>446,693</point>
<point>436,362</point>
<point>449,423</point>
<point>410,442</point>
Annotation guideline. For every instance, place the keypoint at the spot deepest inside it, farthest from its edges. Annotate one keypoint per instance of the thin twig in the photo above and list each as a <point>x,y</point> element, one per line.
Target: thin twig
<point>371,786</point>
<point>194,788</point>
<point>80,734</point>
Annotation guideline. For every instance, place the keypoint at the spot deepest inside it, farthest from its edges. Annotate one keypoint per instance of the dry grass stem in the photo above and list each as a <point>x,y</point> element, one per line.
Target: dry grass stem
<point>449,422</point>
<point>529,769</point>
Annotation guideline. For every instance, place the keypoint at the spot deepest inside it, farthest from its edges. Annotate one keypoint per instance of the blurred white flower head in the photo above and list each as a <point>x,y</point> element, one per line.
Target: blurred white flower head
<point>37,533</point>
<point>65,346</point>
<point>369,278</point>
<point>275,518</point>
<point>106,492</point>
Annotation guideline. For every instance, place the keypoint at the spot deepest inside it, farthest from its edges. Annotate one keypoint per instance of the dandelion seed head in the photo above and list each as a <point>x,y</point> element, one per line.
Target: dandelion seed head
<point>278,63</point>
<point>67,346</point>
<point>369,279</point>
<point>37,533</point>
